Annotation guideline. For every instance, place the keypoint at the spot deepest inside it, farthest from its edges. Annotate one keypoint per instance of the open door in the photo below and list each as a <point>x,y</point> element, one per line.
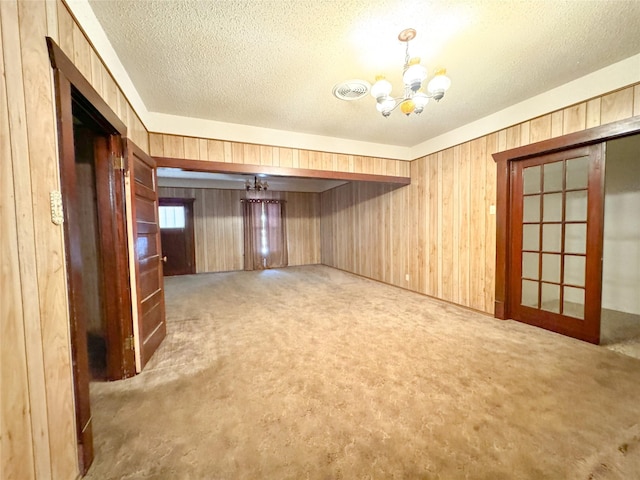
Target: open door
<point>150,326</point>
<point>556,242</point>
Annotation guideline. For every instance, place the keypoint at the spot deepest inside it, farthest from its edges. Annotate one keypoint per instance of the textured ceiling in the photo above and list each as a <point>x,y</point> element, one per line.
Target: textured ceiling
<point>273,63</point>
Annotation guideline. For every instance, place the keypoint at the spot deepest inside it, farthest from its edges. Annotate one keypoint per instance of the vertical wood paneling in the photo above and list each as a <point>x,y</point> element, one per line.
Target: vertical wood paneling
<point>266,155</point>
<point>38,94</point>
<point>17,456</point>
<point>540,129</point>
<point>218,226</point>
<point>303,158</point>
<point>156,148</point>
<point>493,141</point>
<point>557,122</point>
<point>513,137</point>
<point>215,151</point>
<point>286,157</point>
<point>81,55</point>
<point>447,225</point>
<point>617,106</point>
<point>96,72</point>
<point>176,146</point>
<point>37,417</point>
<point>464,222</point>
<point>191,148</point>
<point>65,30</point>
<point>202,148</point>
<point>37,409</point>
<point>478,169</point>
<point>173,146</point>
<point>441,230</point>
<point>593,112</point>
<point>575,118</point>
<point>525,136</point>
<point>109,90</point>
<point>434,227</point>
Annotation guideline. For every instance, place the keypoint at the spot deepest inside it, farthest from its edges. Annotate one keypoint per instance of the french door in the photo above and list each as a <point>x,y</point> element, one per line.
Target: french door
<point>556,241</point>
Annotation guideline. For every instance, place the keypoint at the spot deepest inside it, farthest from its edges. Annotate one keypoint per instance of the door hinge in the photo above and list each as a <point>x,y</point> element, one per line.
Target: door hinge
<point>118,162</point>
<point>129,343</point>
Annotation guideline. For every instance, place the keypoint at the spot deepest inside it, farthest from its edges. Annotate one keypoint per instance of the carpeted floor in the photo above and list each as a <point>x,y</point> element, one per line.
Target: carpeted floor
<point>310,372</point>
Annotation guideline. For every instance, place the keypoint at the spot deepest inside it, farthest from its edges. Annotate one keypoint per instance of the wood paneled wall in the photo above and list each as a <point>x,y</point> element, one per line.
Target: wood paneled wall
<point>438,230</point>
<point>219,232</point>
<point>190,148</point>
<point>437,236</point>
<point>37,423</point>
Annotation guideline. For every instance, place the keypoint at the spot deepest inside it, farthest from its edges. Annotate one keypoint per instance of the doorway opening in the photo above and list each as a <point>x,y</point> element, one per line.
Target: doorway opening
<point>86,135</point>
<point>620,319</point>
<point>570,281</point>
<point>177,236</point>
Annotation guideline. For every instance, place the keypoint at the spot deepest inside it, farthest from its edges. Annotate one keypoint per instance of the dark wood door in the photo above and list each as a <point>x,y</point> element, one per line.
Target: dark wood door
<point>556,240</point>
<point>176,232</point>
<point>151,325</point>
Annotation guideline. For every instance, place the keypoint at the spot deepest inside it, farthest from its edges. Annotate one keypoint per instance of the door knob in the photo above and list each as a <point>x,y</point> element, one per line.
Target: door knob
<point>164,259</point>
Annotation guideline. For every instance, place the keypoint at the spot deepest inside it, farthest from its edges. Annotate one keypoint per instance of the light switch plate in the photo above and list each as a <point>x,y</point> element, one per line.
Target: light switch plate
<point>57,215</point>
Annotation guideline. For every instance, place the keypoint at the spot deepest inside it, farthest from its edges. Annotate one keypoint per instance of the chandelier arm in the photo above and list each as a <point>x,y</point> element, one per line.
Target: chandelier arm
<point>399,100</point>
<point>406,55</point>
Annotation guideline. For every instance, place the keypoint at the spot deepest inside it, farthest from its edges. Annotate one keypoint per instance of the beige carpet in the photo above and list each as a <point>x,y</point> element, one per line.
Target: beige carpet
<point>309,372</point>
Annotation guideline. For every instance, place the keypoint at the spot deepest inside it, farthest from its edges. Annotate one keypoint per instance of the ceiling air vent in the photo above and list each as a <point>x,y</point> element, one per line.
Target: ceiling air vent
<point>351,89</point>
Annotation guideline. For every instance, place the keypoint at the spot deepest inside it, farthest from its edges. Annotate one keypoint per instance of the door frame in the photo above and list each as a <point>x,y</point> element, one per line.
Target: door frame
<point>586,328</point>
<point>187,203</point>
<point>504,162</point>
<point>73,90</point>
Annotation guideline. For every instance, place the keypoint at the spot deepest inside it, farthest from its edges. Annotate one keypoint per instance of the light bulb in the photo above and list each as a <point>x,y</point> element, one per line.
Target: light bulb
<point>439,84</point>
<point>421,100</point>
<point>407,107</point>
<point>414,75</point>
<point>382,88</point>
<point>385,105</point>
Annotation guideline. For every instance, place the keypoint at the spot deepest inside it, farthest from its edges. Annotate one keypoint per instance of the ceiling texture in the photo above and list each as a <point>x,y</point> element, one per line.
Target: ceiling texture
<point>273,63</point>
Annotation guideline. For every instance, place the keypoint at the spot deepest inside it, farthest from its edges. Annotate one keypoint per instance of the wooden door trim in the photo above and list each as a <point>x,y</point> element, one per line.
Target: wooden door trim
<point>72,88</point>
<point>60,61</point>
<point>223,167</point>
<point>77,320</point>
<point>187,203</point>
<point>504,161</point>
<point>115,265</point>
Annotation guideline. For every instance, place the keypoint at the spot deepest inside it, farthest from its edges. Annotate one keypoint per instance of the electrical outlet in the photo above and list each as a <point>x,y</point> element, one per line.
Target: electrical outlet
<point>406,277</point>
<point>492,209</point>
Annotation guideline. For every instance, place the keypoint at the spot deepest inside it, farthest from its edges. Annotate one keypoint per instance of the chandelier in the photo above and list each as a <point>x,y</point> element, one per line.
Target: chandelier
<point>414,75</point>
<point>257,185</point>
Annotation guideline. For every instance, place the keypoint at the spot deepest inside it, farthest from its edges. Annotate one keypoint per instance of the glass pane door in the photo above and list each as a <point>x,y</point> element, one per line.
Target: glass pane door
<point>555,226</point>
<point>554,236</point>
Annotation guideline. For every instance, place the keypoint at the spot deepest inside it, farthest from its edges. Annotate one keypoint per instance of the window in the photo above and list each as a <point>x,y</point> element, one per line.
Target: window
<point>172,216</point>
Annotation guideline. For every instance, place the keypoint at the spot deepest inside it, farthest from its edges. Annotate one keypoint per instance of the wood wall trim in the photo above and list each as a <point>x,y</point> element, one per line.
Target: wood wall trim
<point>590,136</point>
<point>77,330</point>
<point>503,160</point>
<point>222,167</point>
<point>59,61</point>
